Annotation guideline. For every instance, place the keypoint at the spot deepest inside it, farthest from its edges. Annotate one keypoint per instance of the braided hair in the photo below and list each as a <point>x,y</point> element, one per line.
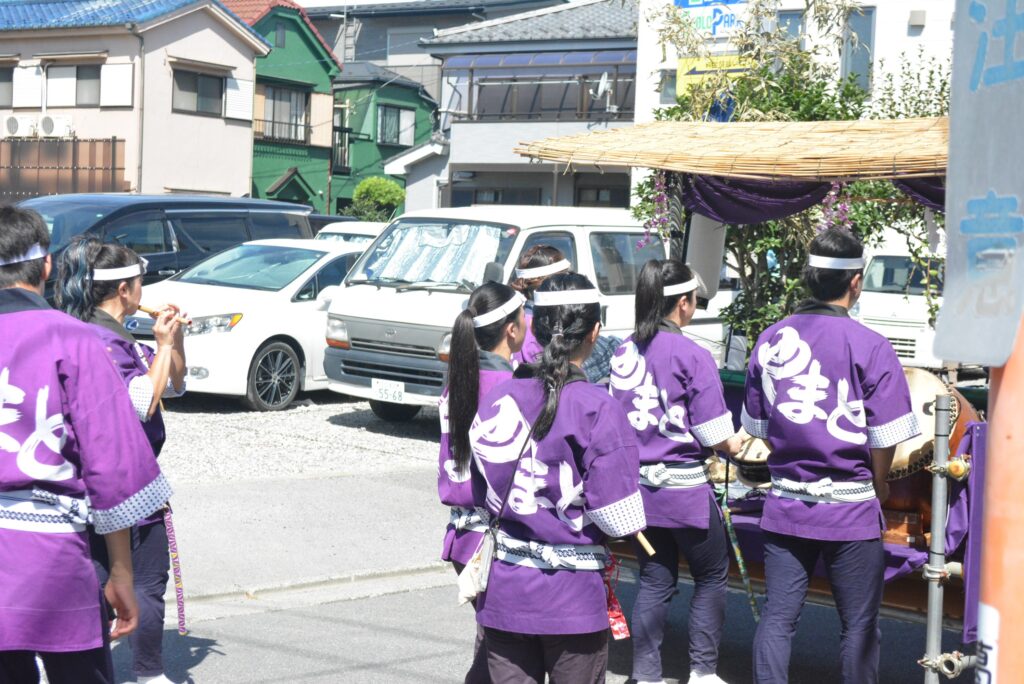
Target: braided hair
<point>562,330</point>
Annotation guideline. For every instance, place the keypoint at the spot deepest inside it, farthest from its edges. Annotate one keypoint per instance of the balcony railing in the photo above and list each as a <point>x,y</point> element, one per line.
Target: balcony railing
<point>281,131</point>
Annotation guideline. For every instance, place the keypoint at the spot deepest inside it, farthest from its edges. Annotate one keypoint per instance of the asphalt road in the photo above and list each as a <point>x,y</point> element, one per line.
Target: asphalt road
<point>309,541</point>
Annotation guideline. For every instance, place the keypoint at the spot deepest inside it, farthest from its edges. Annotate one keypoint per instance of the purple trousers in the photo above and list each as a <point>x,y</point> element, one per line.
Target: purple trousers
<point>514,658</point>
<point>856,570</point>
<point>707,554</point>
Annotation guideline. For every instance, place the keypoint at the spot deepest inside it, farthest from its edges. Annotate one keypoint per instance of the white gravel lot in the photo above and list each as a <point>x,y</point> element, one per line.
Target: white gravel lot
<point>215,439</point>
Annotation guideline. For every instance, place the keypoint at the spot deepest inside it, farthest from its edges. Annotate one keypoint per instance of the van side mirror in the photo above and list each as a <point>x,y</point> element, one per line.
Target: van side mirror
<point>493,272</point>
<point>327,295</point>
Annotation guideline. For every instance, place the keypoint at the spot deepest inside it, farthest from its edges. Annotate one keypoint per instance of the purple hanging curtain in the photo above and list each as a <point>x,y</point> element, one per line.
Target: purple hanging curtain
<point>730,200</point>
<point>931,191</point>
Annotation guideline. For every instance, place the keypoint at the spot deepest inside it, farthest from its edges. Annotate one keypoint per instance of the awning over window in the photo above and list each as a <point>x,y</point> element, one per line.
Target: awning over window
<point>507,64</point>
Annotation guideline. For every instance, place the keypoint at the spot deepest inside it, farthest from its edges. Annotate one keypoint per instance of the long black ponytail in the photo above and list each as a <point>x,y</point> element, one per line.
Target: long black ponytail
<point>651,303</point>
<point>77,294</point>
<point>562,330</point>
<point>464,362</point>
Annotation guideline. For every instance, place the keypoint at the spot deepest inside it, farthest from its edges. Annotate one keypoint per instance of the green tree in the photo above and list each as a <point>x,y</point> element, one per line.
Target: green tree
<point>792,80</point>
<point>376,199</point>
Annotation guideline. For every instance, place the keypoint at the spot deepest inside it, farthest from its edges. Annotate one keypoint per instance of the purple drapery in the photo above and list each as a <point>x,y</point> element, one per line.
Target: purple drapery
<point>966,511</point>
<point>930,191</point>
<point>731,200</point>
<point>736,201</point>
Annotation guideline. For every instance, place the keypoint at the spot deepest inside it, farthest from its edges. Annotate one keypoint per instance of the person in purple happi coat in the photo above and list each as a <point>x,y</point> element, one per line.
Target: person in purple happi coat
<point>488,331</point>
<point>554,468</point>
<point>72,453</point>
<point>672,394</point>
<point>536,265</point>
<point>102,285</point>
<point>830,397</point>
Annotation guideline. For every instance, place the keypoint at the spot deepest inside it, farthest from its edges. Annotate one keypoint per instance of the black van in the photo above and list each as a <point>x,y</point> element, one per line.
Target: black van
<point>172,232</point>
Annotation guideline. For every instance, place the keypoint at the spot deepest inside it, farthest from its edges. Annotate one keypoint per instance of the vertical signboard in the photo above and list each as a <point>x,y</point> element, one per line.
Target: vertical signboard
<point>984,284</point>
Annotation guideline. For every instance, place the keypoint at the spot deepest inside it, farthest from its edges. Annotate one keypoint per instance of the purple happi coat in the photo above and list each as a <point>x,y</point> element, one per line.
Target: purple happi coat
<point>577,485</point>
<point>454,487</point>
<point>822,389</point>
<point>67,430</point>
<point>673,398</point>
<point>531,347</point>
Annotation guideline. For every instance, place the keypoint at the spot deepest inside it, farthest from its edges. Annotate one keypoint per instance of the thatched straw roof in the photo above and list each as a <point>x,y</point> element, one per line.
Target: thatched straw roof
<point>771,150</point>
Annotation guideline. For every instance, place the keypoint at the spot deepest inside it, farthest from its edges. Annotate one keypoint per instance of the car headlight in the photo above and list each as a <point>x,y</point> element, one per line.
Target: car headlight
<point>212,324</point>
<point>337,333</point>
<point>445,348</point>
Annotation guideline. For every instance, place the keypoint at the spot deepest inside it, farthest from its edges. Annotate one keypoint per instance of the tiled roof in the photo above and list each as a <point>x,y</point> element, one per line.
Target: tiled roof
<point>251,11</point>
<point>576,20</point>
<point>359,72</point>
<point>18,15</point>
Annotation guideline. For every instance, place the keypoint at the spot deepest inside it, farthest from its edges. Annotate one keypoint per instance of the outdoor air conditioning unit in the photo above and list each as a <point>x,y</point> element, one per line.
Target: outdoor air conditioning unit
<point>55,126</point>
<point>19,126</point>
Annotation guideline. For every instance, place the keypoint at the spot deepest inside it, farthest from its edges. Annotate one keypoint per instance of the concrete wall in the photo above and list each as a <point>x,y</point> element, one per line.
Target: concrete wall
<point>87,122</point>
<point>191,152</point>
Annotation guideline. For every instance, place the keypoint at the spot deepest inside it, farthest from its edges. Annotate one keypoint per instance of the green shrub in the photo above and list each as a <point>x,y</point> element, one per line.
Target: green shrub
<point>376,199</point>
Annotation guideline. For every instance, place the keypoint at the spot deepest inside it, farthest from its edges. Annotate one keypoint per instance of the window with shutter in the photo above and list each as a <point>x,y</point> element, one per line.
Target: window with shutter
<point>116,85</point>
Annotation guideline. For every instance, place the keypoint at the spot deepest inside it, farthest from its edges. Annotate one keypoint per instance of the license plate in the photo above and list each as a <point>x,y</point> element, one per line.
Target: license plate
<point>388,390</point>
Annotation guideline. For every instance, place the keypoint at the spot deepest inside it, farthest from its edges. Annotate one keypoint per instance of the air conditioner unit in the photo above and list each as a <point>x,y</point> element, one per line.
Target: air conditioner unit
<point>19,126</point>
<point>55,126</point>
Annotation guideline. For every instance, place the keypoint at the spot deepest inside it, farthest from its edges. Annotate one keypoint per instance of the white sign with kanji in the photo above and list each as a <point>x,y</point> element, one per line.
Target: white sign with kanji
<point>984,285</point>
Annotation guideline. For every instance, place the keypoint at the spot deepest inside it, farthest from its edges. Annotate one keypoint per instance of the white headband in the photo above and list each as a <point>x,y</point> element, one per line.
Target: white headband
<point>541,271</point>
<point>818,261</point>
<point>589,296</point>
<point>495,315</point>
<point>36,251</point>
<point>680,288</point>
<point>123,273</point>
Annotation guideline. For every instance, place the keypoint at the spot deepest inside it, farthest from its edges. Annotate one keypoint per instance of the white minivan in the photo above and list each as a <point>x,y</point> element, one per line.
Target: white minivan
<point>893,303</point>
<point>388,330</point>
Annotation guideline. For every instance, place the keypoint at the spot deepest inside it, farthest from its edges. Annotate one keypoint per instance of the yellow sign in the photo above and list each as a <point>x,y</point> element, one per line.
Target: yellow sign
<point>693,70</point>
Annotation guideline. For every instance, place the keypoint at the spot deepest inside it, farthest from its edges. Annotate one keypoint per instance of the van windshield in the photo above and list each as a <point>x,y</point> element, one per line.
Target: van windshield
<point>67,218</point>
<point>435,251</point>
<point>898,274</point>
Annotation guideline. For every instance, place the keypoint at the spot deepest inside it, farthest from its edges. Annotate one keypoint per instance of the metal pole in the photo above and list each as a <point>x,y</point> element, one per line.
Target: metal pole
<point>935,571</point>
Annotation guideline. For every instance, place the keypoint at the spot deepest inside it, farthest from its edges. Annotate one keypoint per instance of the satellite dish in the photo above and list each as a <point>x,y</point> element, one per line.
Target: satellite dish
<point>602,87</point>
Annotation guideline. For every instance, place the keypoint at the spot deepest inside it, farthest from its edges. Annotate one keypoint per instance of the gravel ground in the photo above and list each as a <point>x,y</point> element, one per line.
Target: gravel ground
<point>324,434</point>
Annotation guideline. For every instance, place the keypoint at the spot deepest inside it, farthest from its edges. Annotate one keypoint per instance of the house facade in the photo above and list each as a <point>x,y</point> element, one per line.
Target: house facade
<point>555,71</point>
<point>145,96</point>
<point>380,114</point>
<point>293,121</point>
<point>388,33</point>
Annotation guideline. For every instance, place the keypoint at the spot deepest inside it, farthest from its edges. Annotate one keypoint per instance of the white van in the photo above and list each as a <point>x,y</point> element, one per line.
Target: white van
<point>388,329</point>
<point>893,303</point>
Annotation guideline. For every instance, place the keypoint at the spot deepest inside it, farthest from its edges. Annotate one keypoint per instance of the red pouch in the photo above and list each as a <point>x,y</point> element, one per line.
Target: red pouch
<point>616,620</point>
